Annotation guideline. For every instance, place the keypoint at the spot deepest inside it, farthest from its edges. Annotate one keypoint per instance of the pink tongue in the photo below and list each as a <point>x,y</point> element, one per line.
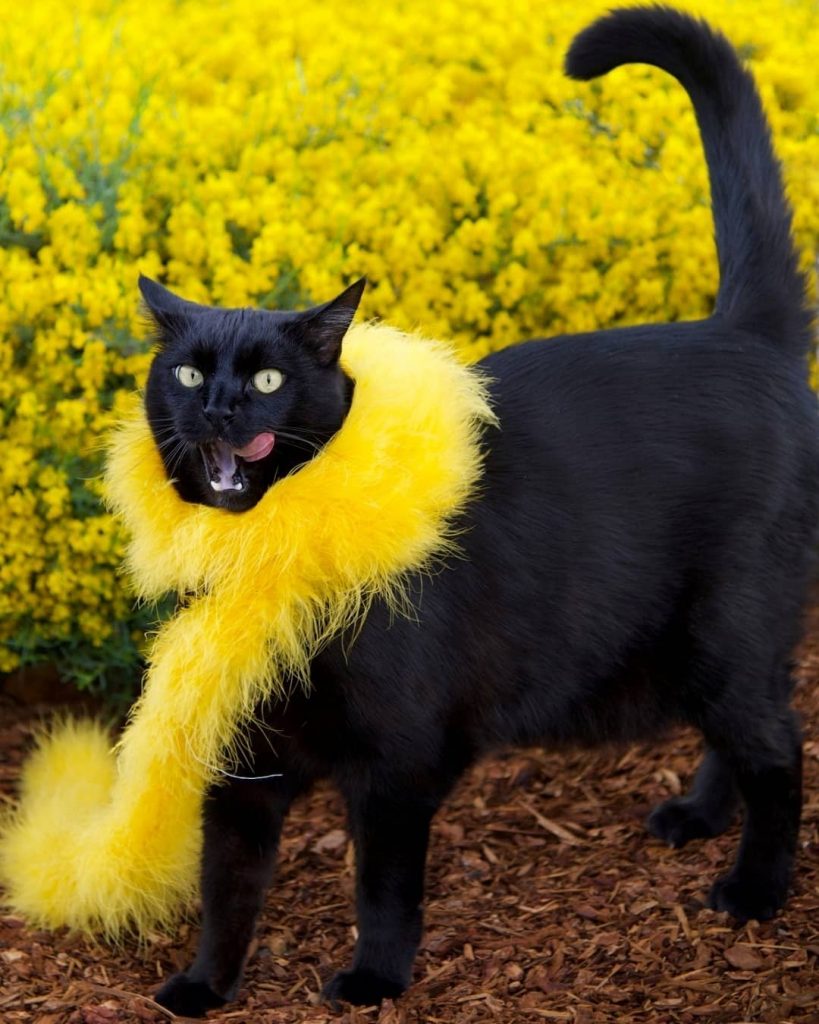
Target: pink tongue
<point>258,448</point>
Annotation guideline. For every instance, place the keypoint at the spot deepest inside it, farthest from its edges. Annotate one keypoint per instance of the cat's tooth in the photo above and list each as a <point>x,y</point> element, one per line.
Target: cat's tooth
<point>232,485</point>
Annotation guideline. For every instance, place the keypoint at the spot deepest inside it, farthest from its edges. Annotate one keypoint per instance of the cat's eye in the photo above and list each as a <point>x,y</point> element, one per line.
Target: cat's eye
<point>268,381</point>
<point>189,376</point>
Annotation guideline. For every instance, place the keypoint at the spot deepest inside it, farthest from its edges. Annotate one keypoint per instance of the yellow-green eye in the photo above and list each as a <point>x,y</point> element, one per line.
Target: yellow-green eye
<point>189,376</point>
<point>268,381</point>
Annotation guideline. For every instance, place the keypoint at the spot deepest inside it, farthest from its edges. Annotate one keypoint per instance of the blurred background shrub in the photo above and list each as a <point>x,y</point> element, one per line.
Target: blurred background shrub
<point>257,151</point>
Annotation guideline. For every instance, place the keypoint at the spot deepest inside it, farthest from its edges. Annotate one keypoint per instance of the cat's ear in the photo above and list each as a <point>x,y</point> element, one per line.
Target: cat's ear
<point>170,313</point>
<point>323,327</point>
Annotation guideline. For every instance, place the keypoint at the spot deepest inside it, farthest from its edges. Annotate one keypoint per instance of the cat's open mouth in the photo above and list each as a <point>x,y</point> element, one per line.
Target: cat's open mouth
<point>224,463</point>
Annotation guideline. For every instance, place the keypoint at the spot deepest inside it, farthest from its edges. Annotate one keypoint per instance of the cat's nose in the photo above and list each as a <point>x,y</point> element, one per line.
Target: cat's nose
<point>220,406</point>
<point>219,415</point>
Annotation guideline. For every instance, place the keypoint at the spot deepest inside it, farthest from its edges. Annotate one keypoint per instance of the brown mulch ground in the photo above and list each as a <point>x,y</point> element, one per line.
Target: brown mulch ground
<point>547,901</point>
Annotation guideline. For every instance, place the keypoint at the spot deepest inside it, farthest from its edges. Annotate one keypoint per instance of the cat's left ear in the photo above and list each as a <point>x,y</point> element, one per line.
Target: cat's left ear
<point>323,327</point>
<point>170,312</point>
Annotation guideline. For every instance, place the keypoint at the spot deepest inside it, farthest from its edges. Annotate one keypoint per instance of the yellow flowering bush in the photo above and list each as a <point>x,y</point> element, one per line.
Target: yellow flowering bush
<point>263,152</point>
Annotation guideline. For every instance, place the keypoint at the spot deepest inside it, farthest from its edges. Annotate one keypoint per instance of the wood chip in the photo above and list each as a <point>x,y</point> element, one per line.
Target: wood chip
<point>742,957</point>
<point>545,901</point>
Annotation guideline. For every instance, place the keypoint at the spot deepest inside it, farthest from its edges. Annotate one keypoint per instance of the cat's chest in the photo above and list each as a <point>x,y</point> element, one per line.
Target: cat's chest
<point>321,727</point>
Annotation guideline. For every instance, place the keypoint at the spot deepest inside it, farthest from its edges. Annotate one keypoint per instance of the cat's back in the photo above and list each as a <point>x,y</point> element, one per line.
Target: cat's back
<point>624,466</point>
<point>629,461</point>
<point>661,407</point>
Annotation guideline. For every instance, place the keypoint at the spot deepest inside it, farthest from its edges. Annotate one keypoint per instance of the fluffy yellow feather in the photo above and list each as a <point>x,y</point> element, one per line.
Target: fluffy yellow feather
<point>108,841</point>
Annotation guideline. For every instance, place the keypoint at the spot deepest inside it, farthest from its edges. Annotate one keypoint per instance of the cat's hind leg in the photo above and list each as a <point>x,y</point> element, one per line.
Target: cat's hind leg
<point>738,694</point>
<point>766,757</point>
<point>242,825</point>
<point>707,810</point>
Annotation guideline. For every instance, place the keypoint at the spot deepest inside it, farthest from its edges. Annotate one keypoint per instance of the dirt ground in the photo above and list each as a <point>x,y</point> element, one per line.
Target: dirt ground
<point>547,901</point>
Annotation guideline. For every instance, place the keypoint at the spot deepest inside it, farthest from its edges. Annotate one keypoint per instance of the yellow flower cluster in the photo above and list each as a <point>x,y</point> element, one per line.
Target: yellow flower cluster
<point>257,151</point>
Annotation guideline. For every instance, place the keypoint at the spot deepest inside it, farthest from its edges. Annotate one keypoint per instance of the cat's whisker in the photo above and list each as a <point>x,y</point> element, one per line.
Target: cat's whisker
<point>303,441</point>
<point>168,441</point>
<point>174,456</point>
<point>301,432</point>
<point>164,438</point>
<point>178,454</point>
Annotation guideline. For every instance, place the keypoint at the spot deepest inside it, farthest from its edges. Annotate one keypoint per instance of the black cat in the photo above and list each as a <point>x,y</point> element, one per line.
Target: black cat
<point>638,556</point>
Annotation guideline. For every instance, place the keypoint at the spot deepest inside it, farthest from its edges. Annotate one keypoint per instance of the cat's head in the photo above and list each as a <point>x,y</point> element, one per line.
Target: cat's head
<point>237,398</point>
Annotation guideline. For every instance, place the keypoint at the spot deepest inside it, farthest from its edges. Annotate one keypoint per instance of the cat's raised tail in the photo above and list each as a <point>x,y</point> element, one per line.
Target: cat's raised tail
<point>761,288</point>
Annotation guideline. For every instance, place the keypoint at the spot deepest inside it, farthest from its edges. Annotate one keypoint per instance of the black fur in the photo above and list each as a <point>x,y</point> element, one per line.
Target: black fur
<point>638,557</point>
<point>761,289</point>
<point>229,346</point>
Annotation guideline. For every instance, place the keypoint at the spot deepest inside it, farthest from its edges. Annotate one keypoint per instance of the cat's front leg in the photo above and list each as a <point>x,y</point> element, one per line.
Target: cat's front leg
<point>391,835</point>
<point>242,825</point>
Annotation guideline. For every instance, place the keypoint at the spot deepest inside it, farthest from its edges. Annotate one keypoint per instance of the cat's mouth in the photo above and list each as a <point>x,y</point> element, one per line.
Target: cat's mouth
<point>224,463</point>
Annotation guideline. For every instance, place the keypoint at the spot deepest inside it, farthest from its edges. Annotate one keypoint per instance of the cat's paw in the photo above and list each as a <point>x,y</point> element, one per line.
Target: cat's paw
<point>747,898</point>
<point>361,987</point>
<point>188,998</point>
<point>680,819</point>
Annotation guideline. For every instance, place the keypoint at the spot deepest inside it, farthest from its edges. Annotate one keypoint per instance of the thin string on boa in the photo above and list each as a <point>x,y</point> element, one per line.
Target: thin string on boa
<point>109,841</point>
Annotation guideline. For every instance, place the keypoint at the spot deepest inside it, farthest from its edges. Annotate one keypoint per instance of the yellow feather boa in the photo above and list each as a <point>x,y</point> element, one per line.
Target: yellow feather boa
<point>110,841</point>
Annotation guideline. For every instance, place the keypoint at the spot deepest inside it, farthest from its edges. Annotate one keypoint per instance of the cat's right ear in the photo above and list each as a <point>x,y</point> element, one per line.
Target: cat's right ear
<point>169,312</point>
<point>323,327</point>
